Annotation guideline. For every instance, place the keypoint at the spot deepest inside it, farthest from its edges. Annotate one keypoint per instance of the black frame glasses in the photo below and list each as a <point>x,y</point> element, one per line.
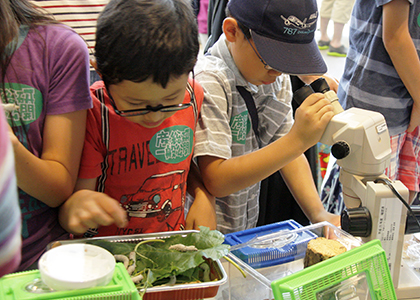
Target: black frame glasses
<point>266,66</point>
<point>148,109</point>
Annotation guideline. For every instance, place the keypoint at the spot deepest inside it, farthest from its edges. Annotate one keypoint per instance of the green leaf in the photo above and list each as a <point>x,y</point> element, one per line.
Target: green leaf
<point>157,263</point>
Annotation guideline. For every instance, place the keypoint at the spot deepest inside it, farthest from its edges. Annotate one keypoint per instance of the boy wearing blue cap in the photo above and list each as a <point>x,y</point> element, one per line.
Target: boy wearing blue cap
<point>262,42</point>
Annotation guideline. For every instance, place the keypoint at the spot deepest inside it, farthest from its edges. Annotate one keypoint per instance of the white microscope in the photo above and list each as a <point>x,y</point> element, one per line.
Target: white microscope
<point>360,142</point>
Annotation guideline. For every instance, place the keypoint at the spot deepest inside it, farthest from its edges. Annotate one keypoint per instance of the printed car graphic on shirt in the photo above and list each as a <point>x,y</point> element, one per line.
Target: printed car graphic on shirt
<point>154,198</point>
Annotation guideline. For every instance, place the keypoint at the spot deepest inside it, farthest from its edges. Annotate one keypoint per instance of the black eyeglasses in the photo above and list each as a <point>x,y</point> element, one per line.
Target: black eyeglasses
<point>266,66</point>
<point>148,109</point>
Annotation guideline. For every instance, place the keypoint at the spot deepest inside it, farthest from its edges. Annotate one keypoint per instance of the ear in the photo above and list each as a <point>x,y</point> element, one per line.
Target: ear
<point>231,29</point>
<point>94,65</point>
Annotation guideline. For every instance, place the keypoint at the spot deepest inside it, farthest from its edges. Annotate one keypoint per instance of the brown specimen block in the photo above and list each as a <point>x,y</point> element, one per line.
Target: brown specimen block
<point>321,249</point>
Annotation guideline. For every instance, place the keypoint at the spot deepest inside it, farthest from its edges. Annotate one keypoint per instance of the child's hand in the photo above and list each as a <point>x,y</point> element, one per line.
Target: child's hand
<point>89,209</point>
<point>415,118</point>
<point>332,82</point>
<point>326,216</point>
<point>311,118</point>
<point>202,212</point>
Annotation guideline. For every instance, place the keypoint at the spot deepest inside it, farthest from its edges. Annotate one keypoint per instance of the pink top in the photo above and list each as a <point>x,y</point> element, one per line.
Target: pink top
<point>202,16</point>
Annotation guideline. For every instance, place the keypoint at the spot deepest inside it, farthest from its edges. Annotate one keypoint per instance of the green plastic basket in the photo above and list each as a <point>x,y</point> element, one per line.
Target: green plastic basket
<point>360,273</point>
<point>17,286</point>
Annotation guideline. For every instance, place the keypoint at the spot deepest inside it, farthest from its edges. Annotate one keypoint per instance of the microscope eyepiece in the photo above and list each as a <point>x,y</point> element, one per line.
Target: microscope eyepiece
<point>318,86</point>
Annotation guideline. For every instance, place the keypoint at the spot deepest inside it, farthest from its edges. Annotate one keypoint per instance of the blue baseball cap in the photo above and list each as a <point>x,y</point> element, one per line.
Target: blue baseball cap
<point>283,32</point>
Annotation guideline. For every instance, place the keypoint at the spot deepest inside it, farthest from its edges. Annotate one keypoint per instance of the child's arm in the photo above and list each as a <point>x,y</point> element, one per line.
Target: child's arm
<point>51,178</point>
<point>223,177</point>
<point>87,208</point>
<point>401,49</point>
<point>298,178</point>
<point>203,210</point>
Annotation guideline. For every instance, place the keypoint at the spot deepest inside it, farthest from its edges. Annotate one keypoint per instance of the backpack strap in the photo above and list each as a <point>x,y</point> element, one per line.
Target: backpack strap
<point>252,110</point>
<point>99,93</point>
<point>105,137</point>
<point>193,101</point>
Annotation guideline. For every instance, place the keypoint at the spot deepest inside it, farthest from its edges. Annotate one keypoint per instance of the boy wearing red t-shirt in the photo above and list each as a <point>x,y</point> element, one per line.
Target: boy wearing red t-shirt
<point>140,132</point>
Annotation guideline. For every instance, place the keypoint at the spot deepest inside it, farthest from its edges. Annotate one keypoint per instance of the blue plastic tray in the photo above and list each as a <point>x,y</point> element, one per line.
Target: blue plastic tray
<point>270,244</point>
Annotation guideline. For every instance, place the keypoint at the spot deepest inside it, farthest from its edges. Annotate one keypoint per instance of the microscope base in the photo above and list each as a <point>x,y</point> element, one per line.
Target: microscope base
<point>409,283</point>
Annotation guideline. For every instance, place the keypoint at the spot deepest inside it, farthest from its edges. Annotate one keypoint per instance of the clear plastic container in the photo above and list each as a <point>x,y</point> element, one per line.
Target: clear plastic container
<point>257,283</point>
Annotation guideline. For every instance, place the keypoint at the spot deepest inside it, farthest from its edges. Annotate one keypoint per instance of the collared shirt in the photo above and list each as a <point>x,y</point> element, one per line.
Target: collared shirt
<point>224,129</point>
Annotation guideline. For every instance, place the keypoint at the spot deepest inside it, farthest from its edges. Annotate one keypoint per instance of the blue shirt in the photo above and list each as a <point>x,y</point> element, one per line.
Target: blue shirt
<point>370,80</point>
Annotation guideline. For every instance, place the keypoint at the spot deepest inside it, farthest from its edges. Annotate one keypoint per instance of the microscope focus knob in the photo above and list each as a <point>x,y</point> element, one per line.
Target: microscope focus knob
<point>357,221</point>
<point>340,149</point>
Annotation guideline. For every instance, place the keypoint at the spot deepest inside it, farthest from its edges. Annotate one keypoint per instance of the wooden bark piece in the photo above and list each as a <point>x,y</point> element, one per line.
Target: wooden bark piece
<point>321,249</point>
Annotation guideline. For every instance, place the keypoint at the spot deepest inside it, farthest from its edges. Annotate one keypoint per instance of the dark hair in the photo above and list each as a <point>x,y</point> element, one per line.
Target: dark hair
<point>14,13</point>
<point>139,39</point>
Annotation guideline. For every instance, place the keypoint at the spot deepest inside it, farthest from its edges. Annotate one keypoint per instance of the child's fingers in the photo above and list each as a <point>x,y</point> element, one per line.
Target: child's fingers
<point>323,109</point>
<point>326,113</point>
<point>100,219</point>
<point>81,222</point>
<point>316,107</point>
<point>114,212</point>
<point>322,103</point>
<point>101,210</point>
<point>312,99</point>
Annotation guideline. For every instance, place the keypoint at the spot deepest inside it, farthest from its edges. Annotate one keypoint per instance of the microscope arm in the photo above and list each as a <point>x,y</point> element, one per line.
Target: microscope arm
<point>360,141</point>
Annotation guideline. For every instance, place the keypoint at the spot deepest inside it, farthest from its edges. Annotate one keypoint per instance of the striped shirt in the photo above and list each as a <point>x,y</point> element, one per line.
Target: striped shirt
<point>224,129</point>
<point>81,15</point>
<point>10,224</point>
<point>370,80</point>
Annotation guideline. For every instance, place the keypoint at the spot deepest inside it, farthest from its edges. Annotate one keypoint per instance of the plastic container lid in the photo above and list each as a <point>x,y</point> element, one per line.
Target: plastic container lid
<point>270,244</point>
<point>76,266</point>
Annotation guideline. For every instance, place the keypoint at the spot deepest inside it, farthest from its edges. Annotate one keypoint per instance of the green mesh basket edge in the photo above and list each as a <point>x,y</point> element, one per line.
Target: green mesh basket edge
<point>369,258</point>
<point>121,287</point>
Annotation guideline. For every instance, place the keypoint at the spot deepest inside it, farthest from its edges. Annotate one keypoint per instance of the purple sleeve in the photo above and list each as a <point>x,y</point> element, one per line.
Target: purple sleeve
<point>69,72</point>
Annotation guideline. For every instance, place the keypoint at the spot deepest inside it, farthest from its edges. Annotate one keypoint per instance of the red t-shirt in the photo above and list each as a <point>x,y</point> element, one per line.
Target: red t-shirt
<point>145,169</point>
